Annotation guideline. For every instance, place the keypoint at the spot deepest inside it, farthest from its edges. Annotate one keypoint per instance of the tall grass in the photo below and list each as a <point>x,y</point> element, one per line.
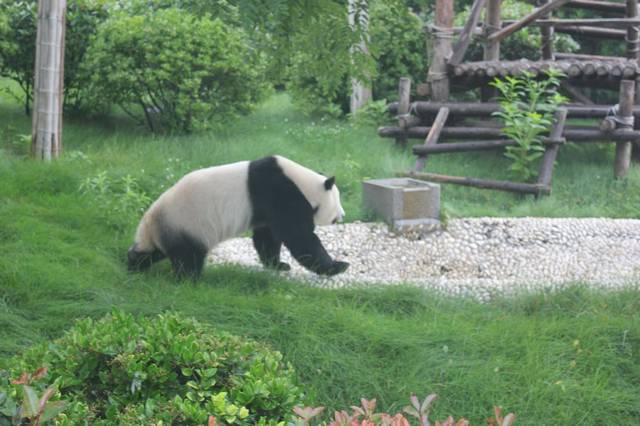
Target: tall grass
<point>567,358</point>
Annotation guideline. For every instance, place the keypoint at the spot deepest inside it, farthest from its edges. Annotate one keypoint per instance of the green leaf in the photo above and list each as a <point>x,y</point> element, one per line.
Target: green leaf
<point>29,402</point>
<point>52,409</point>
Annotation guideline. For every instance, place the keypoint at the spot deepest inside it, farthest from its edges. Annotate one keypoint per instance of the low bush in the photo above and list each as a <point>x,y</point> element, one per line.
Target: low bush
<point>139,371</point>
<point>174,71</point>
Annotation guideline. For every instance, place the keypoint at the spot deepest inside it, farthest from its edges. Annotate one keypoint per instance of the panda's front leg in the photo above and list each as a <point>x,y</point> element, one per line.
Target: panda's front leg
<point>306,248</point>
<point>268,248</point>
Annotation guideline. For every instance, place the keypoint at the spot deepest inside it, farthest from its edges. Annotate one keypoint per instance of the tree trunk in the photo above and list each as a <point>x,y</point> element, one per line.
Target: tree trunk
<point>49,69</point>
<point>359,20</point>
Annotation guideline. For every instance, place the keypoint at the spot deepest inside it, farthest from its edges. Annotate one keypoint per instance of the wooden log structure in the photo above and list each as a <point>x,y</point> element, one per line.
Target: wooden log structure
<point>623,148</point>
<point>437,75</point>
<point>491,52</point>
<point>546,39</point>
<point>464,39</point>
<point>572,67</point>
<point>537,13</point>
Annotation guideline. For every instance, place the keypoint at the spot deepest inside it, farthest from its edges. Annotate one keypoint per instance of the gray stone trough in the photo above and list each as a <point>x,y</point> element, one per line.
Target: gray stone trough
<point>403,203</point>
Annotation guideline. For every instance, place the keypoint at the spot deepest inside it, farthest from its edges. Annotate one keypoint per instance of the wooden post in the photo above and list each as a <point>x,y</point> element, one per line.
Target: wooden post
<point>493,23</point>
<point>432,136</point>
<point>547,38</point>
<point>46,133</point>
<point>404,101</point>
<point>443,29</point>
<point>625,121</point>
<point>551,152</point>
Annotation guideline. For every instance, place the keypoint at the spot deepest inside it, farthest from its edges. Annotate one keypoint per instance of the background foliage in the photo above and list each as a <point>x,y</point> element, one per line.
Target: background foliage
<point>174,70</point>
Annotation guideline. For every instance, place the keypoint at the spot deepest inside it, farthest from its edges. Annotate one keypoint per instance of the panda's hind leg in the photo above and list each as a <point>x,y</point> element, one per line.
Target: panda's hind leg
<point>187,255</point>
<point>268,248</point>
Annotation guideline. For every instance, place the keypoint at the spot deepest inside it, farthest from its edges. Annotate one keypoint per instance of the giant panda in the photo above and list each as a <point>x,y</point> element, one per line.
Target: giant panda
<point>280,200</point>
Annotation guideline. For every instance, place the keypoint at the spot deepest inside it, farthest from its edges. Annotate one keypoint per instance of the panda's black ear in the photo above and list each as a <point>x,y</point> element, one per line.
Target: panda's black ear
<point>328,184</point>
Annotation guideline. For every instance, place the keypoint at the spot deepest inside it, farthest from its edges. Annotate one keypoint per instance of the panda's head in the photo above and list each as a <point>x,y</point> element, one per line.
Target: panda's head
<point>327,208</point>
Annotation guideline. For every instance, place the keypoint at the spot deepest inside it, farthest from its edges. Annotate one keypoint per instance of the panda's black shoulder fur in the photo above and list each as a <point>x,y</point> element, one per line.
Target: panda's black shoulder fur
<point>275,197</point>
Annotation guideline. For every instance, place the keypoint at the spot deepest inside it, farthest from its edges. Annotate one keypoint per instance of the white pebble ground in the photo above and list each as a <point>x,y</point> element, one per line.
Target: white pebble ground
<point>478,258</point>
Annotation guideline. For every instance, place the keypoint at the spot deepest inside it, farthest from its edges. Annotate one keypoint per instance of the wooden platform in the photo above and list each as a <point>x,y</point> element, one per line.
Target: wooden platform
<point>615,68</point>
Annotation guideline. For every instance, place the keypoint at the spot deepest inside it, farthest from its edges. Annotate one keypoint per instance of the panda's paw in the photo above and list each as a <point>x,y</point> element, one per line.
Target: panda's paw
<point>282,266</point>
<point>337,267</point>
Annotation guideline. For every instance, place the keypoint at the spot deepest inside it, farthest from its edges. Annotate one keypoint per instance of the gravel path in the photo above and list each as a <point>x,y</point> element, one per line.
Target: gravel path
<point>475,257</point>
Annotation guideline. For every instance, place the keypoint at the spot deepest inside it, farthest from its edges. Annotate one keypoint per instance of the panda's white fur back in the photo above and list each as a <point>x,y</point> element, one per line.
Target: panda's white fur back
<point>210,204</point>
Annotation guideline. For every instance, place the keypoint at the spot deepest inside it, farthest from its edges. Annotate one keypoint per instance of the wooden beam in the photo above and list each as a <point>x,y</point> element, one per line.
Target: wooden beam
<point>443,148</point>
<point>633,44</point>
<point>561,56</point>
<point>462,44</point>
<point>604,23</point>
<point>537,13</point>
<point>481,109</point>
<point>432,136</point>
<point>593,32</point>
<point>576,135</point>
<point>575,93</point>
<point>501,185</point>
<point>600,6</point>
<point>551,152</point>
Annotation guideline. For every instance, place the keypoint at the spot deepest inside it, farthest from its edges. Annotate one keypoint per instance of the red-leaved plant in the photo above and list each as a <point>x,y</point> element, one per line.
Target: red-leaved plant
<point>365,415</point>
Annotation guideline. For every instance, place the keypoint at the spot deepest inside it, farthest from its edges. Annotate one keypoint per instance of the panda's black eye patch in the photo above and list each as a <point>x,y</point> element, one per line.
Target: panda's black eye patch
<point>334,221</point>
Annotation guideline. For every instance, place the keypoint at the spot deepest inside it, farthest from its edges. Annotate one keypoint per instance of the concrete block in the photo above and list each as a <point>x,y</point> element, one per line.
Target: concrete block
<point>403,202</point>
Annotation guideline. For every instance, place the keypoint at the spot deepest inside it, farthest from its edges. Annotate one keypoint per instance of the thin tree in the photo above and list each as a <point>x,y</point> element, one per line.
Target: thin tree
<point>46,130</point>
<point>359,21</point>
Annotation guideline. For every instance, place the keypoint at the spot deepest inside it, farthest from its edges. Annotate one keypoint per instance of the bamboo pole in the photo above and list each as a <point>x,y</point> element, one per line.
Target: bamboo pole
<point>445,148</point>
<point>432,136</point>
<point>625,121</point>
<point>46,140</point>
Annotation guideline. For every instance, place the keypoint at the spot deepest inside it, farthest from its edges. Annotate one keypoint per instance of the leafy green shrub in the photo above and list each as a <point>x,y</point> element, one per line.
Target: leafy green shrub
<point>173,70</point>
<point>139,371</point>
<point>18,45</point>
<point>34,408</point>
<point>524,43</point>
<point>397,47</point>
<point>527,107</point>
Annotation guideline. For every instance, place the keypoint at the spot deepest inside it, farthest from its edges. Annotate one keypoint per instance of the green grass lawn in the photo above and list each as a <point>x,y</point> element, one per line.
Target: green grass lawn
<point>567,358</point>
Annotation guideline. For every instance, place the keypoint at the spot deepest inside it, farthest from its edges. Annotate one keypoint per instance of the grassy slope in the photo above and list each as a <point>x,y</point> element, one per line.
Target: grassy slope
<point>60,260</point>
